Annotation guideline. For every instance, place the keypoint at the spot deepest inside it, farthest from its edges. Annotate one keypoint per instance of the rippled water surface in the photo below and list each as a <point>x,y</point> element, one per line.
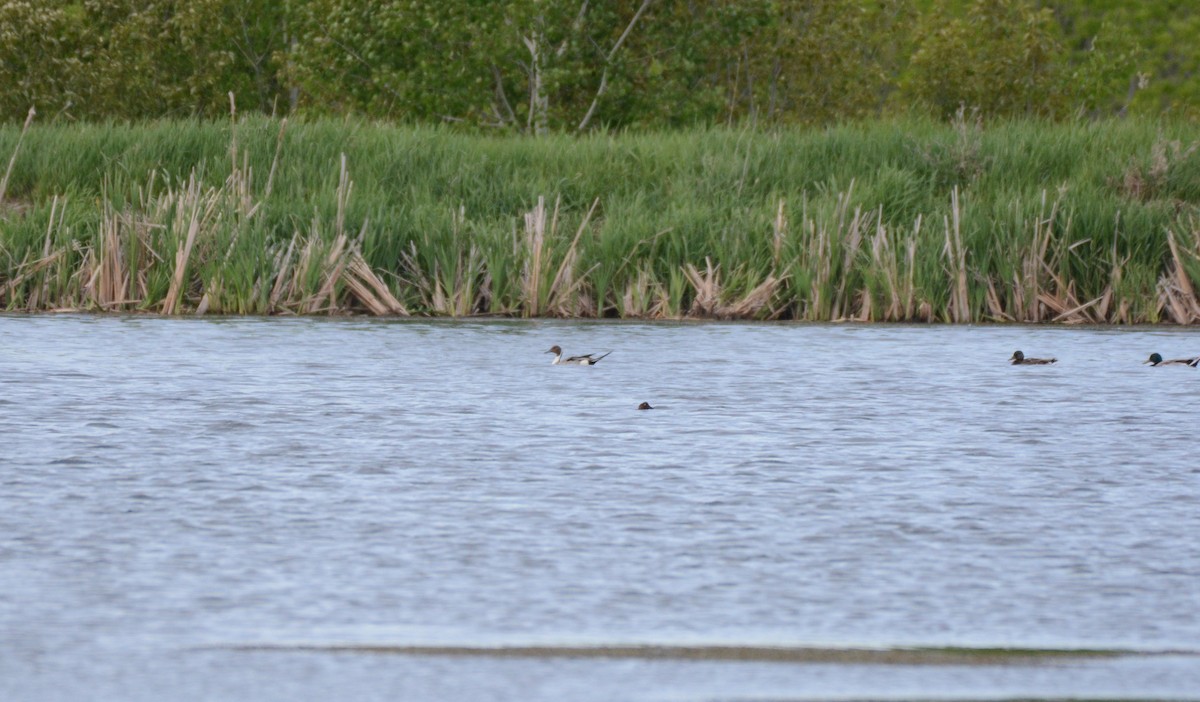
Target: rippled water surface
<point>172,489</point>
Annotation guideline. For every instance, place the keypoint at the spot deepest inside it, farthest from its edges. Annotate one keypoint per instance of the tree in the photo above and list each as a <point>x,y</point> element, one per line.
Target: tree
<point>39,63</point>
<point>165,57</point>
<point>1149,57</point>
<point>1003,57</point>
<point>819,60</point>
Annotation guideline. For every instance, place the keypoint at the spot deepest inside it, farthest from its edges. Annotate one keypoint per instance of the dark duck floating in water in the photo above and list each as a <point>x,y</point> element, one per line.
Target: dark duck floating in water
<point>1018,359</point>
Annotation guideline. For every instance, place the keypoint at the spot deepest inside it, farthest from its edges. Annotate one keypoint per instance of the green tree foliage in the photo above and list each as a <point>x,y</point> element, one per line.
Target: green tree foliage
<point>818,60</point>
<point>1152,51</point>
<point>536,66</point>
<point>168,57</point>
<point>1002,57</point>
<point>39,57</point>
<point>385,57</point>
<point>530,66</point>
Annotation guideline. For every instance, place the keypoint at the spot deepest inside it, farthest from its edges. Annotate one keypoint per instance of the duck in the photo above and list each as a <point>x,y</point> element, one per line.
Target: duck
<point>587,359</point>
<point>1157,360</point>
<point>1018,359</point>
<point>645,406</point>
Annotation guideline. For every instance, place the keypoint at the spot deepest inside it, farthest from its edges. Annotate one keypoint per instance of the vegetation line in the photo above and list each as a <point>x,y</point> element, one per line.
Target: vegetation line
<point>776,654</point>
<point>1069,223</point>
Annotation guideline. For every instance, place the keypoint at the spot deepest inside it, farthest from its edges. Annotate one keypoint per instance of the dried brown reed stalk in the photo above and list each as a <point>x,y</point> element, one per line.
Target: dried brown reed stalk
<point>956,261</point>
<point>1144,182</point>
<point>451,293</point>
<point>707,286</point>
<point>779,230</point>
<point>112,273</point>
<point>282,264</point>
<point>852,236</point>
<point>29,269</point>
<point>560,295</point>
<point>325,299</point>
<point>563,297</point>
<point>369,289</point>
<point>995,305</point>
<point>16,150</point>
<point>897,266</point>
<point>275,161</point>
<point>333,266</point>
<point>239,190</point>
<point>535,241</point>
<point>754,302</point>
<point>307,276</point>
<point>233,140</point>
<point>1104,309</point>
<point>459,291</point>
<point>1176,294</point>
<point>827,261</point>
<point>110,280</point>
<point>709,301</point>
<point>812,262</point>
<point>337,257</point>
<point>344,188</point>
<point>818,244</point>
<point>646,297</point>
<point>1040,292</point>
<point>194,206</point>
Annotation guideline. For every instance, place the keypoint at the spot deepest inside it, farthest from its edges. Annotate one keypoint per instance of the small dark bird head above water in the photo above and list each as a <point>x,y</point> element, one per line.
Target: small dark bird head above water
<point>1019,359</point>
<point>1157,360</point>
<point>645,405</point>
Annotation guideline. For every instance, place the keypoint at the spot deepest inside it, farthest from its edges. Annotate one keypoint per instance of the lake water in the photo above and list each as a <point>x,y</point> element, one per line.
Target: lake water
<point>174,490</point>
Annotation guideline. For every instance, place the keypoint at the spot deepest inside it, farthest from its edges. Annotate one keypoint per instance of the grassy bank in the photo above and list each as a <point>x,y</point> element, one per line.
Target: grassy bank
<point>1014,221</point>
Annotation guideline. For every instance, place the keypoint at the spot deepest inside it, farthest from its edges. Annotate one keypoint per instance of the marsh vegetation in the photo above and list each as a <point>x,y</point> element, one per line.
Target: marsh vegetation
<point>915,220</point>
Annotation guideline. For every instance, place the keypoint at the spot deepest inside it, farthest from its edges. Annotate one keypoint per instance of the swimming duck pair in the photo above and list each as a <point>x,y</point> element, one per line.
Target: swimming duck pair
<point>587,359</point>
<point>1019,359</point>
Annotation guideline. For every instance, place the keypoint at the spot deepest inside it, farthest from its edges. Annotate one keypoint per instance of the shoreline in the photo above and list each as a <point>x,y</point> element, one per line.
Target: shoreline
<point>919,656</point>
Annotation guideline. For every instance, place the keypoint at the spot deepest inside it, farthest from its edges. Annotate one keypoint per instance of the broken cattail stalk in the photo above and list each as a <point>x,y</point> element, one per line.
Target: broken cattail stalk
<point>16,150</point>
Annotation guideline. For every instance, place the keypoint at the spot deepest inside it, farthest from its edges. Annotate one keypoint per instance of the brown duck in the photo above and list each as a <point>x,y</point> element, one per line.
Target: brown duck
<point>1018,359</point>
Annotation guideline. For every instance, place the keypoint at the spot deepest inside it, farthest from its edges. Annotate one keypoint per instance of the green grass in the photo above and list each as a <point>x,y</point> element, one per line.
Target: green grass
<point>1056,222</point>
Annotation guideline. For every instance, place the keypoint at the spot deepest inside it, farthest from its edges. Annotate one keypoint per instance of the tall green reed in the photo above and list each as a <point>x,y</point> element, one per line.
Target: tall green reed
<point>894,221</point>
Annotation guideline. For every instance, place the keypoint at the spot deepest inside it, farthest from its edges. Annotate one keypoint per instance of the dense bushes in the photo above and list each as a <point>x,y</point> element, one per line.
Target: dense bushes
<point>573,65</point>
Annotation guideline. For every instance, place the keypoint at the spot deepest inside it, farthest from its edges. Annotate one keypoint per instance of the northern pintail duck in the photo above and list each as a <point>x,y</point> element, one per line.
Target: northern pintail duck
<point>1157,360</point>
<point>1018,359</point>
<point>584,360</point>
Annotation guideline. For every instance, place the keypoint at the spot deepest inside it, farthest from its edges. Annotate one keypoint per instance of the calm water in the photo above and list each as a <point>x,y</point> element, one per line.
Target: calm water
<point>169,488</point>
